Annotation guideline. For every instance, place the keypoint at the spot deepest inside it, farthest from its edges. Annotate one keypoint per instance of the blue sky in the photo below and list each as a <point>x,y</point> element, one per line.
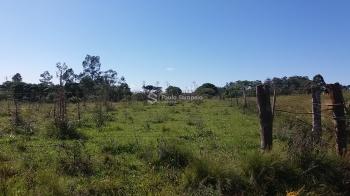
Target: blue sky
<point>178,41</point>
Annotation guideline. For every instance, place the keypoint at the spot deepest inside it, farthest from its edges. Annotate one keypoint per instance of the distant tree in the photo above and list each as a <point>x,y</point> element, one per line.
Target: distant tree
<point>16,86</point>
<point>93,81</point>
<point>87,85</point>
<point>17,78</point>
<point>235,89</point>
<point>150,88</point>
<point>69,76</point>
<point>173,90</point>
<point>120,92</point>
<point>207,89</point>
<point>46,78</point>
<point>221,92</point>
<point>139,96</point>
<point>61,70</point>
<point>319,81</point>
<point>268,81</point>
<point>110,77</point>
<point>73,90</point>
<point>289,85</point>
<point>92,67</point>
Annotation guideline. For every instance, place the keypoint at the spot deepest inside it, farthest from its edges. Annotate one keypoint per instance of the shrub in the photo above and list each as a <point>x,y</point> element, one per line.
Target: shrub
<point>203,133</point>
<point>139,97</point>
<point>7,171</point>
<point>74,161</point>
<point>165,129</point>
<point>205,177</point>
<point>198,102</point>
<point>63,130</point>
<point>319,168</point>
<point>47,181</point>
<point>318,173</point>
<point>159,118</point>
<point>114,148</point>
<point>268,174</point>
<point>25,128</point>
<point>173,155</point>
<point>196,121</point>
<point>104,187</point>
<point>100,115</point>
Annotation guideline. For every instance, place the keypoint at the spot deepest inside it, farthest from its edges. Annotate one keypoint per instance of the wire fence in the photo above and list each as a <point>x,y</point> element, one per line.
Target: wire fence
<point>249,98</point>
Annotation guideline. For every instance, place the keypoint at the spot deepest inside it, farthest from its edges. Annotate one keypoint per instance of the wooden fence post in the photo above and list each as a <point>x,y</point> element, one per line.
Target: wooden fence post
<point>16,114</point>
<point>244,98</point>
<point>274,103</point>
<point>336,95</point>
<point>316,114</point>
<point>265,115</point>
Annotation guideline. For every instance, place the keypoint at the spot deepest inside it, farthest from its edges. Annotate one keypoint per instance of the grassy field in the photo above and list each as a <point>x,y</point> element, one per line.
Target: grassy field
<point>191,148</point>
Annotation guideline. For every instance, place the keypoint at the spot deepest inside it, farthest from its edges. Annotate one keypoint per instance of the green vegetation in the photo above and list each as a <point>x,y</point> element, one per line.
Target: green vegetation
<point>90,135</point>
<point>189,148</point>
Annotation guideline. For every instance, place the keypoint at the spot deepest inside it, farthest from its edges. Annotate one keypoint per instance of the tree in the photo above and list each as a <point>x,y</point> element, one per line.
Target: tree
<point>207,89</point>
<point>173,90</point>
<point>61,70</point>
<point>17,78</point>
<point>110,77</point>
<point>46,78</point>
<point>68,76</point>
<point>17,87</point>
<point>120,92</point>
<point>87,85</point>
<point>150,88</point>
<point>92,67</point>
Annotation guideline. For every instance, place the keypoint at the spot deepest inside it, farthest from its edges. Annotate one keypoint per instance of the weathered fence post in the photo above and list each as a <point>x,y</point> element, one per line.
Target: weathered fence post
<point>16,114</point>
<point>336,95</point>
<point>316,114</point>
<point>274,103</point>
<point>265,115</point>
<point>244,98</point>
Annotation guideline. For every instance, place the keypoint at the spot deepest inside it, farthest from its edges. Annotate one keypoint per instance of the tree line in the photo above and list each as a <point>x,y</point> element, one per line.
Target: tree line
<point>92,82</point>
